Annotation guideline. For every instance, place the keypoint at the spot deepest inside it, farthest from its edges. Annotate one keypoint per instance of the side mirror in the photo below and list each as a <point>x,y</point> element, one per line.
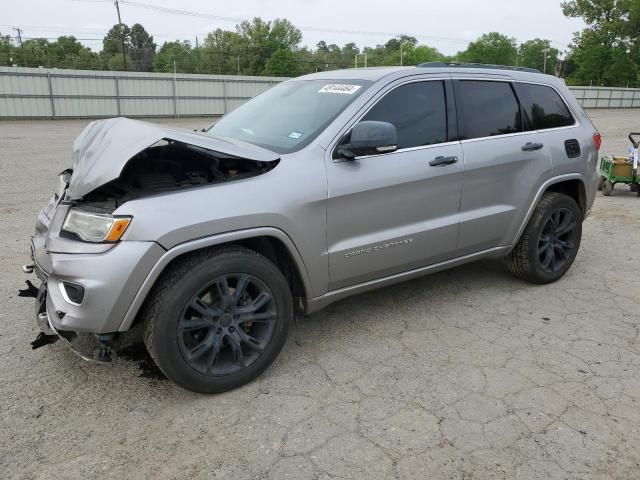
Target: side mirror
<point>370,138</point>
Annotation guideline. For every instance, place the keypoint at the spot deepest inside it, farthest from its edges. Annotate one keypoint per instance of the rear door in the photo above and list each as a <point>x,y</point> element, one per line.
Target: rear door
<point>503,163</point>
<point>392,212</point>
<point>548,114</point>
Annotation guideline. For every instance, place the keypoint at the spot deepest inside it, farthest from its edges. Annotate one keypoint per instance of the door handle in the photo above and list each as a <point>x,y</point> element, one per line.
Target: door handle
<point>442,161</point>
<point>530,147</point>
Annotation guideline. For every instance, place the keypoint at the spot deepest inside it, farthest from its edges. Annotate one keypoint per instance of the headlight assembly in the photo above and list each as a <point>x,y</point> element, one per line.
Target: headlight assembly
<point>93,227</point>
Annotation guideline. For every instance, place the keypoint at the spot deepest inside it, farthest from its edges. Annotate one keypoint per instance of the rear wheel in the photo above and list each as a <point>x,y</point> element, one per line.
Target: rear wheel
<point>607,188</point>
<point>550,241</point>
<point>601,181</point>
<point>218,319</point>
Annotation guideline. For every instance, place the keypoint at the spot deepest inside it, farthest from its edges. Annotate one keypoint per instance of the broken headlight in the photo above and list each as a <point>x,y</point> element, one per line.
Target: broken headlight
<point>93,227</point>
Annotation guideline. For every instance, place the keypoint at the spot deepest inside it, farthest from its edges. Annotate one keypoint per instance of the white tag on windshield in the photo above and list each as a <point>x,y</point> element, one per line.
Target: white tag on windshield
<point>339,88</point>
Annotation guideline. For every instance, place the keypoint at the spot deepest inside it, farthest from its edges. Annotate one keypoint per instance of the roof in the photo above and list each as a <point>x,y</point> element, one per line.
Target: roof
<point>376,73</point>
<point>486,66</point>
<point>371,73</point>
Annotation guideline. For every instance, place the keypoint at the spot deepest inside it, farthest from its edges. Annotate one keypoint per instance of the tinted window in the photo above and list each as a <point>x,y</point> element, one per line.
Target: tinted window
<point>418,111</point>
<point>487,108</point>
<point>543,106</point>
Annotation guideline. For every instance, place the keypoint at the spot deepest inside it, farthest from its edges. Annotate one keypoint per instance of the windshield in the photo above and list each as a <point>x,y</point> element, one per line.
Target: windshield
<point>290,115</point>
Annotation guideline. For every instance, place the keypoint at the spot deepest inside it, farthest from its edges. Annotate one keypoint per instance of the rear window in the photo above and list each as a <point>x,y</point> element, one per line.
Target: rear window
<point>543,106</point>
<point>487,108</point>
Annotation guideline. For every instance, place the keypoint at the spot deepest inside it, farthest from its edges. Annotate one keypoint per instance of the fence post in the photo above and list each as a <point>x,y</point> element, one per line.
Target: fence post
<point>53,105</point>
<point>117,95</point>
<point>224,95</point>
<point>175,97</point>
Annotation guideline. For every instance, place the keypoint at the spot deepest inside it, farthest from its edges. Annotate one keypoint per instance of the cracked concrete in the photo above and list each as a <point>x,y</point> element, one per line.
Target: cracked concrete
<point>465,374</point>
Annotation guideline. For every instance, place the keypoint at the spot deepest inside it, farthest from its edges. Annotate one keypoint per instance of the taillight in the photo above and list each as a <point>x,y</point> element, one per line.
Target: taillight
<point>597,140</point>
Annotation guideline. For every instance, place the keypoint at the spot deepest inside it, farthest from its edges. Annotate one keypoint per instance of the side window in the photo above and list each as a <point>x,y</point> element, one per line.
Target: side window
<point>487,108</point>
<point>418,111</point>
<point>543,106</point>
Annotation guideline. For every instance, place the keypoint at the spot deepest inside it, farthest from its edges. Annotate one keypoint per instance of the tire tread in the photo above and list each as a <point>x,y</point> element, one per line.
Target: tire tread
<point>169,277</point>
<point>518,261</point>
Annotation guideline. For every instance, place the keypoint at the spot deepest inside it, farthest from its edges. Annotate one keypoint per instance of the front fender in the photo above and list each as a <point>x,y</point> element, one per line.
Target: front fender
<point>205,242</point>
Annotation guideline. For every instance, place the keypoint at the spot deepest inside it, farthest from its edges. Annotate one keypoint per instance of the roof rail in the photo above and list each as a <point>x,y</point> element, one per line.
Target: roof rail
<point>476,65</point>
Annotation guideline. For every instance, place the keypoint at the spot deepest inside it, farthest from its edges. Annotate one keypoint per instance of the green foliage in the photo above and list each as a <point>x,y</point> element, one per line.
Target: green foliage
<point>5,49</point>
<point>141,49</point>
<point>281,63</point>
<point>531,54</point>
<point>138,45</point>
<point>607,52</point>
<point>65,52</point>
<point>180,52</point>
<point>112,42</point>
<point>492,48</point>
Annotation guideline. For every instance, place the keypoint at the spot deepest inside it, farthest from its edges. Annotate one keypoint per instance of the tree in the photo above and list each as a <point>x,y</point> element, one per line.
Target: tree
<point>112,41</point>
<point>283,35</point>
<point>180,52</point>
<point>223,51</point>
<point>491,48</point>
<point>5,50</point>
<point>262,39</point>
<point>282,63</point>
<point>531,54</point>
<point>138,45</point>
<point>141,48</point>
<point>607,52</point>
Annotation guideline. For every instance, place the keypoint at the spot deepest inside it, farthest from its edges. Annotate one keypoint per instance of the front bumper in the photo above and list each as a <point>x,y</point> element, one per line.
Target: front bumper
<point>111,281</point>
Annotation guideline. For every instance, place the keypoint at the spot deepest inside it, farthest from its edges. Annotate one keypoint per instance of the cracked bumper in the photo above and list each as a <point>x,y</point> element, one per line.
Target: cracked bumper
<point>111,281</point>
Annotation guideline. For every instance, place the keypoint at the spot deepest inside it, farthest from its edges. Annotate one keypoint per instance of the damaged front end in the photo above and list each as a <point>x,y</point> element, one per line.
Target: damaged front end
<point>89,271</point>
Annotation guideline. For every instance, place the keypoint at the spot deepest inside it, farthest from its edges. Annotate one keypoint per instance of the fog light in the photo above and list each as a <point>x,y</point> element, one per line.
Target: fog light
<point>72,292</point>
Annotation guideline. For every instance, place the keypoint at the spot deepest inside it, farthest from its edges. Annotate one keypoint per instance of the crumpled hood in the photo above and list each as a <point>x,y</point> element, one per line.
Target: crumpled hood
<point>104,147</point>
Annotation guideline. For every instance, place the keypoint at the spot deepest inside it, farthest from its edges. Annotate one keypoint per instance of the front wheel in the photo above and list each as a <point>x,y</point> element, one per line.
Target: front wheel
<point>217,319</point>
<point>550,241</point>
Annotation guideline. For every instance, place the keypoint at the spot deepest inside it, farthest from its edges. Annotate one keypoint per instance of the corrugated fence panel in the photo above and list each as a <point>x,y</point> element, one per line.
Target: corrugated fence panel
<point>133,87</point>
<point>88,86</point>
<point>86,107</point>
<point>24,85</point>
<point>52,93</point>
<point>200,106</point>
<point>200,88</point>
<point>30,107</point>
<point>147,107</point>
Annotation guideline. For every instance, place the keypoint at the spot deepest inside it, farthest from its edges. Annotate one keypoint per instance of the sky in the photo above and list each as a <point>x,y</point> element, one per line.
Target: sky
<point>447,25</point>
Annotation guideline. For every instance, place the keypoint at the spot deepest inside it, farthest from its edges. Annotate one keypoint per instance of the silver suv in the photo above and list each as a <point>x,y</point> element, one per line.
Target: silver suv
<point>325,186</point>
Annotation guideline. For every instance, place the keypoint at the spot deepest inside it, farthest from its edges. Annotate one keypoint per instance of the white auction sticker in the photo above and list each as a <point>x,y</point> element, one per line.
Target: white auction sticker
<point>339,88</point>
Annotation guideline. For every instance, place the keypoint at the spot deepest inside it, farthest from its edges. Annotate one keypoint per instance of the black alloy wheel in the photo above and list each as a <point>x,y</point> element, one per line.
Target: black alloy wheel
<point>227,324</point>
<point>218,318</point>
<point>557,240</point>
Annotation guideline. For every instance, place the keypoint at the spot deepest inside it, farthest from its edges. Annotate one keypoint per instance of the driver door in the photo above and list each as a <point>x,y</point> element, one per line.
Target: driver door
<point>394,212</point>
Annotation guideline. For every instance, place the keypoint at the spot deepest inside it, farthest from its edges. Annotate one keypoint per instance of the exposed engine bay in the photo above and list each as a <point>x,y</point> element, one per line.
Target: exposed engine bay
<point>170,166</point>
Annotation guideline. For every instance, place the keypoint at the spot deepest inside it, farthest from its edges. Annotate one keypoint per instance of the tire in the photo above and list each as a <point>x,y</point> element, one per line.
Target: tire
<point>607,188</point>
<point>217,319</point>
<point>543,237</point>
<point>601,182</point>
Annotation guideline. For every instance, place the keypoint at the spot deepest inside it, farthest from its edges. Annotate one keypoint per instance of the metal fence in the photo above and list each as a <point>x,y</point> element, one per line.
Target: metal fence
<point>52,93</point>
<point>607,97</point>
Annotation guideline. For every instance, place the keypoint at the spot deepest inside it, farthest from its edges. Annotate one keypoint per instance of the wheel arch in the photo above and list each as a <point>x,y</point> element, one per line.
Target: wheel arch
<point>574,188</point>
<point>270,242</point>
<point>571,184</point>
